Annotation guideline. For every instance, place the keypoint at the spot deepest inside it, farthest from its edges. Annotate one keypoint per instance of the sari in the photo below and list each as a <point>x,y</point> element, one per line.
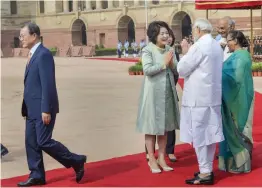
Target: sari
<point>235,152</point>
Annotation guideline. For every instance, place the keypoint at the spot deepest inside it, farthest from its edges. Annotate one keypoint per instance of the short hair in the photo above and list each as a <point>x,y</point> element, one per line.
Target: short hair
<point>240,38</point>
<point>154,29</point>
<point>204,25</point>
<point>171,33</point>
<point>230,21</point>
<point>33,29</point>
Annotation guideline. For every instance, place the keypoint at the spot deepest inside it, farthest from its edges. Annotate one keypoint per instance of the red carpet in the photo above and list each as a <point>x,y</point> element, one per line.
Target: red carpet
<point>133,171</point>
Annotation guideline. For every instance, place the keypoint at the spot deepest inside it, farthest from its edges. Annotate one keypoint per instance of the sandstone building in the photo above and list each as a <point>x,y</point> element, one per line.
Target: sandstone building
<point>104,22</point>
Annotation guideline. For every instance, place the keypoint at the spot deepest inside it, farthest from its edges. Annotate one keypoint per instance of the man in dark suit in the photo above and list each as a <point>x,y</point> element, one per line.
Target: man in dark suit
<point>4,150</point>
<point>40,106</point>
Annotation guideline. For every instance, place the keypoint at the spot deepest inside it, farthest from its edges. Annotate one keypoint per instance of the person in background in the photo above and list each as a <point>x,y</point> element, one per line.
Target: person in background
<point>201,123</point>
<point>158,110</point>
<point>119,49</point>
<point>126,45</point>
<point>4,150</point>
<point>141,46</point>
<point>135,48</point>
<point>235,152</point>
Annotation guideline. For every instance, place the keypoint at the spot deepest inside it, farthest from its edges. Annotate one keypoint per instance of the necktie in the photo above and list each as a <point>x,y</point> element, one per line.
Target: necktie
<point>28,58</point>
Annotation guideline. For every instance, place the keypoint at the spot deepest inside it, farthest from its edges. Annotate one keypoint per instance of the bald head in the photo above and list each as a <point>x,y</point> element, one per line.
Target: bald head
<point>225,25</point>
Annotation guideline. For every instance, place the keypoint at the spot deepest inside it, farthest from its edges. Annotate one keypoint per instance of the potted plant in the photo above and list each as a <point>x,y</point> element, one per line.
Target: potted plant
<point>255,69</point>
<point>139,70</point>
<point>132,70</point>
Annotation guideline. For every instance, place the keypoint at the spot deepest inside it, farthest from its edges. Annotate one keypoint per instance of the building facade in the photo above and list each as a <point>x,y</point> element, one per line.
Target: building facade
<point>103,23</point>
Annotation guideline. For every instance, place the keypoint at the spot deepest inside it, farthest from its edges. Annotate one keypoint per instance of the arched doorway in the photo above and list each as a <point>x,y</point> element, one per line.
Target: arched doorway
<point>181,25</point>
<point>126,29</point>
<point>79,33</point>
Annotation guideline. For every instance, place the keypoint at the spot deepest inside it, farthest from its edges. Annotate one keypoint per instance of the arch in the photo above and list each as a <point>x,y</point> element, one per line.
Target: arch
<point>126,29</point>
<point>181,24</point>
<point>78,31</point>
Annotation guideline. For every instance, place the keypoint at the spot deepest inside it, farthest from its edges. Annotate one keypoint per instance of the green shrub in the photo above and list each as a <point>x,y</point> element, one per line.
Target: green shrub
<point>260,67</point>
<point>257,67</point>
<point>139,62</point>
<point>132,68</point>
<point>139,67</point>
<point>108,51</point>
<point>53,50</point>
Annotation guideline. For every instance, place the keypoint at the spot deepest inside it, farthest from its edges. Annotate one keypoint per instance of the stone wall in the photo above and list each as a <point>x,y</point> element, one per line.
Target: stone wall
<point>56,25</point>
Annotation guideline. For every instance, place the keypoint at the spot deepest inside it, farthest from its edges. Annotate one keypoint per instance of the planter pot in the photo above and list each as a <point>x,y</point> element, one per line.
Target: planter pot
<point>137,73</point>
<point>255,73</point>
<point>259,73</point>
<point>140,73</point>
<point>131,73</point>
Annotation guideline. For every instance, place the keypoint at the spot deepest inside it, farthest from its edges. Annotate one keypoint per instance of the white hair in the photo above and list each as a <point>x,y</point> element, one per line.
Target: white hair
<point>230,21</point>
<point>204,25</point>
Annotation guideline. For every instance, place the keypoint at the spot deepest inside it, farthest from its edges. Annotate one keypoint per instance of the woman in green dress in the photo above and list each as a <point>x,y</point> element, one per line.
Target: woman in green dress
<point>235,153</point>
<point>158,110</point>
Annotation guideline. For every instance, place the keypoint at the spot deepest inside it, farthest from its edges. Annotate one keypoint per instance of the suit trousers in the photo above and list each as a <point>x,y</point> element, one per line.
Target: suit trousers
<point>38,138</point>
<point>205,158</point>
<point>171,142</point>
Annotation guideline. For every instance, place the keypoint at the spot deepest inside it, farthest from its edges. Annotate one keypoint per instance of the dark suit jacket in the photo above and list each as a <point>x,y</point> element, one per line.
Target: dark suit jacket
<point>40,94</point>
<point>176,75</point>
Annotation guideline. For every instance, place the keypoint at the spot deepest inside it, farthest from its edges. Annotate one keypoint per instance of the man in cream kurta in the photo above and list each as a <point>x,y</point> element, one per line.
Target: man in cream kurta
<point>225,25</point>
<point>201,123</point>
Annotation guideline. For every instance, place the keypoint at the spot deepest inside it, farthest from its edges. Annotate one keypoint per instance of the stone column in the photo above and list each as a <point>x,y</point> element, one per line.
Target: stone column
<point>98,4</point>
<point>110,4</point>
<point>66,5</point>
<point>121,3</point>
<point>88,5</point>
<point>75,5</point>
<point>136,3</point>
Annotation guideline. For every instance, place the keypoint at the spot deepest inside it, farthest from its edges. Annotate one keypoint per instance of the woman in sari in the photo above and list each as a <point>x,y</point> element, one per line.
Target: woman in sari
<point>235,153</point>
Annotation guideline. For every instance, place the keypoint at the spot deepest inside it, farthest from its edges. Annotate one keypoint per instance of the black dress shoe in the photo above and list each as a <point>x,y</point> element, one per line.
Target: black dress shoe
<point>4,150</point>
<point>80,170</point>
<point>196,173</point>
<point>172,159</point>
<point>31,182</point>
<point>208,180</point>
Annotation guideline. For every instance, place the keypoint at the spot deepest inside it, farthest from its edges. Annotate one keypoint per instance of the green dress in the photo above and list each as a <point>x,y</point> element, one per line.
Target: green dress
<point>237,113</point>
<point>158,110</point>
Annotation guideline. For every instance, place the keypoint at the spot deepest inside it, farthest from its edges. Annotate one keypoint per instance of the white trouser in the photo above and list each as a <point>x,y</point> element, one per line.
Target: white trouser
<point>205,157</point>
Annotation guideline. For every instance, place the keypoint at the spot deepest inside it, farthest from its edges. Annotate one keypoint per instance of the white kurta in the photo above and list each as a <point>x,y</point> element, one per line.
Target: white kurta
<point>227,54</point>
<point>201,68</point>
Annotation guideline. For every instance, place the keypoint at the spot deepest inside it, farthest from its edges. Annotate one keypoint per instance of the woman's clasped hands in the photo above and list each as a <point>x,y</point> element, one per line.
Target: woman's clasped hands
<point>169,58</point>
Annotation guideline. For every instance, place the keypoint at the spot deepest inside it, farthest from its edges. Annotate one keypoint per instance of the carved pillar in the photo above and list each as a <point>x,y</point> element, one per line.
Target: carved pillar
<point>66,5</point>
<point>75,5</point>
<point>136,3</point>
<point>98,4</point>
<point>88,5</point>
<point>121,3</point>
<point>110,4</point>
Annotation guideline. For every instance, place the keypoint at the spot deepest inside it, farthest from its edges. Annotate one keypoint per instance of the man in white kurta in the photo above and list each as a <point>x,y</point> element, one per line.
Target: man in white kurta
<point>201,123</point>
<point>225,25</point>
